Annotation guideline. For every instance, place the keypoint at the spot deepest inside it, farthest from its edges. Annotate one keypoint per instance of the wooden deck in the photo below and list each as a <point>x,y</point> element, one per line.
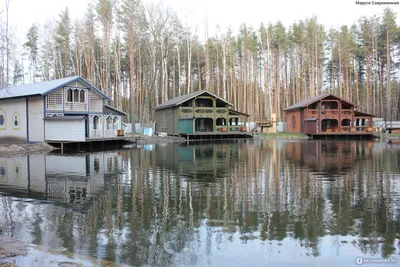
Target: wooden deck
<point>91,143</point>
<point>342,135</point>
<point>216,136</point>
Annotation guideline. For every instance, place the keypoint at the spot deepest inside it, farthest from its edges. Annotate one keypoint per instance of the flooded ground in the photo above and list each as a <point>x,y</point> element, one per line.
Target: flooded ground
<point>245,203</point>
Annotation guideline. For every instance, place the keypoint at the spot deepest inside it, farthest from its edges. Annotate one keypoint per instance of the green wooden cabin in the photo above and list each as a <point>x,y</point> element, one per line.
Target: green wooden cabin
<point>197,113</point>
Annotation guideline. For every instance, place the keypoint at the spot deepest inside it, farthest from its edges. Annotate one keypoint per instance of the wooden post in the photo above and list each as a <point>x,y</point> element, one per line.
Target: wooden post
<point>214,114</point>
<point>340,115</point>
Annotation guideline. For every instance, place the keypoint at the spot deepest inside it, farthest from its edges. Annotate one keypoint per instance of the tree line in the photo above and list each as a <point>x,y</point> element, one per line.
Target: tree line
<point>142,55</point>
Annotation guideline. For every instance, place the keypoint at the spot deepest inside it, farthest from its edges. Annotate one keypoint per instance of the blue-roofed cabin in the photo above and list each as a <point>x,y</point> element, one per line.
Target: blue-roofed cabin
<point>68,109</point>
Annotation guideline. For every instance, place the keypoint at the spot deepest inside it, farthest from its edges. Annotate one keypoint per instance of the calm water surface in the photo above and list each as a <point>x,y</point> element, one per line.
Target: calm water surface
<point>246,203</point>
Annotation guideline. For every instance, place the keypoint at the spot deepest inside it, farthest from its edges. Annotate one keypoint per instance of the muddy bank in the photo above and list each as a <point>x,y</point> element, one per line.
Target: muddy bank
<point>13,149</point>
<point>10,249</point>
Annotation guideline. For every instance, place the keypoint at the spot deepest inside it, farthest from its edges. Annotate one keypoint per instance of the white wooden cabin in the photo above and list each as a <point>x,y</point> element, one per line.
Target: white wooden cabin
<point>68,109</point>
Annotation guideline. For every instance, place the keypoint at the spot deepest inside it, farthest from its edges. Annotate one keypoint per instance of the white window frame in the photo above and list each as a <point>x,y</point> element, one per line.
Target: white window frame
<point>66,91</point>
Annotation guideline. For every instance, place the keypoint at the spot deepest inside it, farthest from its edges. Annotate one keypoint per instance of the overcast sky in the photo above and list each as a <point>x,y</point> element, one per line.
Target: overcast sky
<point>332,13</point>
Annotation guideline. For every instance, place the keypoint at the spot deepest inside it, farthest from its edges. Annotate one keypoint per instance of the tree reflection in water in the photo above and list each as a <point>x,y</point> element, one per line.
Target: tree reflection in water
<point>187,205</point>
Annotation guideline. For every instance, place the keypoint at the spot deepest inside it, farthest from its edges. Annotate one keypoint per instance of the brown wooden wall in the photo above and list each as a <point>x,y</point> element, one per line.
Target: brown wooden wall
<point>294,121</point>
<point>167,120</point>
<point>310,126</point>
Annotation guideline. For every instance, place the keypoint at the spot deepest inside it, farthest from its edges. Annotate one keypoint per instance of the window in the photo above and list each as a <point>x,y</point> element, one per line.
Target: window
<point>2,119</point>
<point>69,95</point>
<point>3,170</point>
<point>54,100</point>
<point>82,96</point>
<point>95,122</point>
<point>76,95</point>
<point>16,121</point>
<point>109,122</point>
<point>115,123</point>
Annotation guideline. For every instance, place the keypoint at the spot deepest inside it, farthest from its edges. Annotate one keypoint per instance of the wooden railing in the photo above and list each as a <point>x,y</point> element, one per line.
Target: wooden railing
<point>96,133</point>
<point>221,111</point>
<point>204,112</point>
<point>186,112</point>
<point>350,129</point>
<point>110,133</point>
<point>330,112</point>
<point>75,106</point>
<point>314,112</point>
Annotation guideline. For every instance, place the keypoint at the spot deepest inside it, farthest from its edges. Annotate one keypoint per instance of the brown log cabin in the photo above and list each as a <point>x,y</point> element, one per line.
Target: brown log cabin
<point>326,115</point>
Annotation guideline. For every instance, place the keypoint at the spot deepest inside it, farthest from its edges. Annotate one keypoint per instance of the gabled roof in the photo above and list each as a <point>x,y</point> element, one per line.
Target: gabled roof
<point>311,100</point>
<point>116,110</point>
<point>235,112</point>
<point>183,98</point>
<point>44,88</point>
<point>359,113</point>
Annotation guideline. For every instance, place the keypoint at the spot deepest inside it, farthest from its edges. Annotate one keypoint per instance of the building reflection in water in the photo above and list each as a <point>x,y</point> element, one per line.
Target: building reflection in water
<point>329,157</point>
<point>214,204</point>
<point>73,179</point>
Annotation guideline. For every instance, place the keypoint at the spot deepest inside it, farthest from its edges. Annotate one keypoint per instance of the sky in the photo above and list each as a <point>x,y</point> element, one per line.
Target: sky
<point>334,13</point>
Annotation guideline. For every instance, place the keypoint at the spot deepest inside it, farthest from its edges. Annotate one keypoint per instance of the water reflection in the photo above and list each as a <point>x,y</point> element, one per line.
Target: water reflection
<point>73,179</point>
<point>329,158</point>
<point>243,203</point>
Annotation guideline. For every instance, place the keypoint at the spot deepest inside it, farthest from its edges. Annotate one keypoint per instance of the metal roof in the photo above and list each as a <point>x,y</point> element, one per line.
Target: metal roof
<point>44,88</point>
<point>359,113</point>
<point>183,98</point>
<point>311,100</point>
<point>115,110</point>
<point>235,112</point>
<point>64,118</point>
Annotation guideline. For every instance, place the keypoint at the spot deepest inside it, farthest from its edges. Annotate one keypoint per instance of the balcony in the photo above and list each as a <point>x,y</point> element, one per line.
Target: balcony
<point>330,112</point>
<point>75,106</point>
<point>346,114</point>
<point>203,112</point>
<point>312,113</point>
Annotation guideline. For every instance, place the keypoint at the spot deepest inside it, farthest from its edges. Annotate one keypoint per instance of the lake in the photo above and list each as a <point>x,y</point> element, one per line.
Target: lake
<point>242,203</point>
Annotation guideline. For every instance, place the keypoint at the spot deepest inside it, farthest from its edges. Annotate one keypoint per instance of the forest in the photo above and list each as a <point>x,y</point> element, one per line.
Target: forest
<point>142,55</point>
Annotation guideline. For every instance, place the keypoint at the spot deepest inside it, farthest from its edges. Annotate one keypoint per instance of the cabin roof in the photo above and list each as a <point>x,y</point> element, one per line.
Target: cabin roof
<point>44,88</point>
<point>359,113</point>
<point>114,109</point>
<point>183,98</point>
<point>64,118</point>
<point>235,112</point>
<point>304,103</point>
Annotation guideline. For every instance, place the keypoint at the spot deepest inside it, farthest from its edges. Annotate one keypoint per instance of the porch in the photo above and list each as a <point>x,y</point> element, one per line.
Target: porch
<point>82,128</point>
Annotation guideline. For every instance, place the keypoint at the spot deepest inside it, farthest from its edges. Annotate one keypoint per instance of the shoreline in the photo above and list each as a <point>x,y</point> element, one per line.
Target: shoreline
<point>24,148</point>
<point>13,149</point>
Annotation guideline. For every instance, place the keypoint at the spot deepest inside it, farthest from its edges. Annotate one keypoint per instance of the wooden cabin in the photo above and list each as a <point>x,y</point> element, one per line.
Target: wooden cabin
<point>199,113</point>
<point>68,109</point>
<point>327,115</point>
